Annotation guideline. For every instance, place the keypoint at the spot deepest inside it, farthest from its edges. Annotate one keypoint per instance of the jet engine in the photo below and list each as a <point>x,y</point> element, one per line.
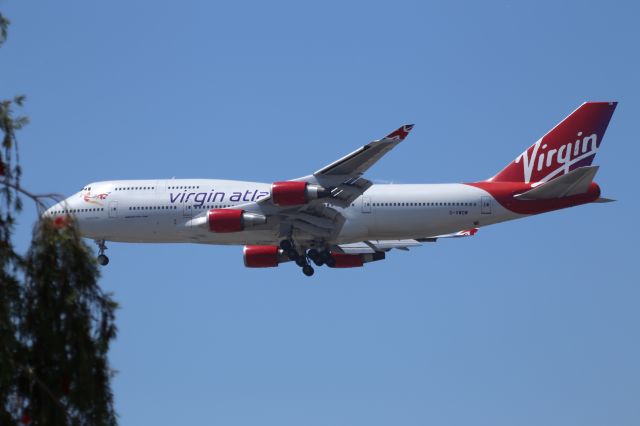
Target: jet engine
<point>295,193</point>
<point>263,256</point>
<point>343,260</point>
<point>232,220</point>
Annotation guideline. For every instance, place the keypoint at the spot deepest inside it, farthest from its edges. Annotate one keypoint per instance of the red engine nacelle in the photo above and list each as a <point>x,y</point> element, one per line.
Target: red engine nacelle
<point>232,220</point>
<point>263,256</point>
<point>347,260</point>
<point>295,193</point>
<point>343,260</point>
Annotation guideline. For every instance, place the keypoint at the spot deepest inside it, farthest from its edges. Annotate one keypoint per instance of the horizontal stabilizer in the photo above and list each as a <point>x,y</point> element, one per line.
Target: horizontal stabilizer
<point>575,182</point>
<point>604,200</point>
<point>464,233</point>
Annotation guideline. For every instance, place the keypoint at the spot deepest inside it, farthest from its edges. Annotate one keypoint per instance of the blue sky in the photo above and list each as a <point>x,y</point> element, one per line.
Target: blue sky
<point>530,322</point>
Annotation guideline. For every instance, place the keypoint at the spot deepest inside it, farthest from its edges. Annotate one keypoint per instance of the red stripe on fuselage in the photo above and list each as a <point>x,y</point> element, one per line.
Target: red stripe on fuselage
<point>504,193</point>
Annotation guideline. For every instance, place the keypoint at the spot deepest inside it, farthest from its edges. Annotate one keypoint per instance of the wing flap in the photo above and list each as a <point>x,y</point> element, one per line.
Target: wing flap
<point>345,193</point>
<point>313,219</point>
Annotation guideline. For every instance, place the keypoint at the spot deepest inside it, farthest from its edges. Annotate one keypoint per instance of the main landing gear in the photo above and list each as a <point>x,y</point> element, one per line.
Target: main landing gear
<point>102,258</point>
<point>299,259</point>
<point>320,258</point>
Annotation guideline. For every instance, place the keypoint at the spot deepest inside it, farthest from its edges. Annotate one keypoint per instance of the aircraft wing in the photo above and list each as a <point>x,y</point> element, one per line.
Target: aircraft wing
<point>376,246</point>
<point>373,246</point>
<point>345,174</point>
<point>318,219</point>
<point>343,179</point>
<point>356,163</point>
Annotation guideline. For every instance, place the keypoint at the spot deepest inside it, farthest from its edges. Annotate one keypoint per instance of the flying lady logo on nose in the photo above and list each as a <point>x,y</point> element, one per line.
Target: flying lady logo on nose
<point>95,199</point>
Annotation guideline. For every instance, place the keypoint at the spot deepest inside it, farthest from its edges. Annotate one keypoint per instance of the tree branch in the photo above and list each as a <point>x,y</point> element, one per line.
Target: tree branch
<point>37,198</point>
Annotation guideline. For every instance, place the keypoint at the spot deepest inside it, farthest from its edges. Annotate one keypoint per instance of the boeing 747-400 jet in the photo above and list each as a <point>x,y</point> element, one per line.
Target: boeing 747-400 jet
<point>337,217</point>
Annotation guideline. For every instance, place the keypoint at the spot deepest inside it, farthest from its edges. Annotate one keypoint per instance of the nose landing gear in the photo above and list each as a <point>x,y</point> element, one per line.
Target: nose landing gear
<point>102,258</point>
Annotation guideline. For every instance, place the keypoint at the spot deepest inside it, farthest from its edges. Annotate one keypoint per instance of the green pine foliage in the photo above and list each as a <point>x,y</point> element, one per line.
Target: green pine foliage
<point>67,325</point>
<point>56,324</point>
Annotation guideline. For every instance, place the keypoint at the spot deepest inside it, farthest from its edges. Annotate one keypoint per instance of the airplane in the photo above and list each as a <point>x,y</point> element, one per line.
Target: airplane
<point>335,216</point>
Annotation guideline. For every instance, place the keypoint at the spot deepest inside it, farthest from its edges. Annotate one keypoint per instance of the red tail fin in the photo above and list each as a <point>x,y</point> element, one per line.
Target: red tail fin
<point>573,143</point>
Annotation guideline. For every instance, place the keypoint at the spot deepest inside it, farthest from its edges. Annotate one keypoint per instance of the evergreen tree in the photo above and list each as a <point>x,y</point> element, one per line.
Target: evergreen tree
<point>56,323</point>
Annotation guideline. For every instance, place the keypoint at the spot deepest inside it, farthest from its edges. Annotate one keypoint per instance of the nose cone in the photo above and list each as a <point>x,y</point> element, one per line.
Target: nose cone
<point>58,209</point>
<point>50,212</point>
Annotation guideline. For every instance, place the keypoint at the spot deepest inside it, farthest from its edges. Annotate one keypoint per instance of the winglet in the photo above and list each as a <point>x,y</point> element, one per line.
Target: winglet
<point>400,133</point>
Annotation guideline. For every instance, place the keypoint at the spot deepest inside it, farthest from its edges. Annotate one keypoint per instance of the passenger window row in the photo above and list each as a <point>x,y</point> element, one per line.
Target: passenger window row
<point>153,207</point>
<point>135,188</point>
<point>67,211</point>
<point>175,207</point>
<point>184,187</point>
<point>425,204</point>
<point>212,207</point>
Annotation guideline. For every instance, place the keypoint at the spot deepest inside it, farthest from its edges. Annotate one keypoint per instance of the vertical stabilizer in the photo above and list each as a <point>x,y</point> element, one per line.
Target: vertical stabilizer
<point>571,144</point>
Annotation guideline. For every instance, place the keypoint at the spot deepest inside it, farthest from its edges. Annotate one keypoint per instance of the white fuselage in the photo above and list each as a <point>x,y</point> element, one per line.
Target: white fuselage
<point>163,211</point>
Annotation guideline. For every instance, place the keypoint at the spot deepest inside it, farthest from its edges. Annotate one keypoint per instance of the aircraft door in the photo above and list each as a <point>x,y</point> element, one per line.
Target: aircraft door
<point>366,204</point>
<point>485,205</point>
<point>161,186</point>
<point>113,209</point>
<point>187,210</point>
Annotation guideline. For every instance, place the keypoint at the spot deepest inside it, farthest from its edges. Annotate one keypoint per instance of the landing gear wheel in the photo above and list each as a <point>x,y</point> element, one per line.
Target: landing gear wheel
<point>286,245</point>
<point>301,261</point>
<point>307,270</point>
<point>102,258</point>
<point>318,262</point>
